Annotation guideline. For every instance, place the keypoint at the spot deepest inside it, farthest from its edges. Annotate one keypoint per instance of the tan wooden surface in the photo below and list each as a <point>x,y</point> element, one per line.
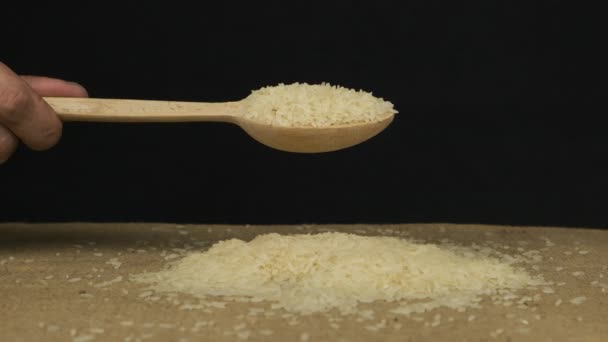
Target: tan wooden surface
<point>118,110</point>
<point>48,274</point>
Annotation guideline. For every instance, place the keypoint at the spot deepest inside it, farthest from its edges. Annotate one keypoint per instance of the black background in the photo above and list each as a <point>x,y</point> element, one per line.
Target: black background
<point>489,131</point>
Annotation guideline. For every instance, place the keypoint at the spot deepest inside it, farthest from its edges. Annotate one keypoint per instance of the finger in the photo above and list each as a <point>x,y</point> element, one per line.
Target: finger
<point>8,144</point>
<point>46,86</point>
<point>25,113</point>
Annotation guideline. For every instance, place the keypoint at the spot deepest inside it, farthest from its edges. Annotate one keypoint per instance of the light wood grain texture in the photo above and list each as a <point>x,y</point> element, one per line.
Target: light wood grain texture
<point>111,110</point>
<point>291,139</point>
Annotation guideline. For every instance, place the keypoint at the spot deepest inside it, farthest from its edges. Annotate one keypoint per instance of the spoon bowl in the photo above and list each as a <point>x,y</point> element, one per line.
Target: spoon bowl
<point>291,139</point>
<point>312,139</point>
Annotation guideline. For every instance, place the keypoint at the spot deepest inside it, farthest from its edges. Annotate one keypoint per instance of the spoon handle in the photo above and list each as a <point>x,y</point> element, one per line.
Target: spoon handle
<point>112,110</point>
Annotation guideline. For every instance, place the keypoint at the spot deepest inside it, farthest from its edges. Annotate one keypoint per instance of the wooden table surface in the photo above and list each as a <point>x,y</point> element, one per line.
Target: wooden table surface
<point>70,282</point>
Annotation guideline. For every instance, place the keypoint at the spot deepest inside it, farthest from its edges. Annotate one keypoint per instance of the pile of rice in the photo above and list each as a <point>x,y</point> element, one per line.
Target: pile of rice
<point>314,105</point>
<point>317,273</point>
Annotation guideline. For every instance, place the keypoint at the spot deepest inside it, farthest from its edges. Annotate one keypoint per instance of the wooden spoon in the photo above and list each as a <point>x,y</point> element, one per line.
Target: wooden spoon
<point>291,139</point>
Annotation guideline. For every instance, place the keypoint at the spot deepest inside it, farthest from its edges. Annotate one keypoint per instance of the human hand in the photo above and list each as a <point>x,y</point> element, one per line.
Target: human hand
<point>25,116</point>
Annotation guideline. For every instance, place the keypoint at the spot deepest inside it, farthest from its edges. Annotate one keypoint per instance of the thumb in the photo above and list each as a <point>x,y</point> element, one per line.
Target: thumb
<point>45,86</point>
